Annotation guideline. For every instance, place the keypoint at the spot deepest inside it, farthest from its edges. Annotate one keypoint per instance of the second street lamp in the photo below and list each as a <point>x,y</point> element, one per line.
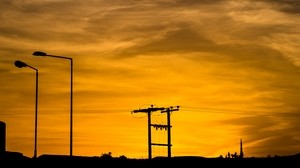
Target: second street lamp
<point>40,53</point>
<point>21,64</point>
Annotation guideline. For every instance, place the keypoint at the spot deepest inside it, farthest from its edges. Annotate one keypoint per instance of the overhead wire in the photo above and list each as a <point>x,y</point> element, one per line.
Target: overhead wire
<point>193,109</point>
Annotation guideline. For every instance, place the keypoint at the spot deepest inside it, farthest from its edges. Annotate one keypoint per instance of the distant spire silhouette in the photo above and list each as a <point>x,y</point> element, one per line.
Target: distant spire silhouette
<point>241,149</point>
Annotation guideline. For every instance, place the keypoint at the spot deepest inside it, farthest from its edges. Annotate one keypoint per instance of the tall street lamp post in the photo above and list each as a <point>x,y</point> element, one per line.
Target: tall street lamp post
<point>21,64</point>
<point>40,53</point>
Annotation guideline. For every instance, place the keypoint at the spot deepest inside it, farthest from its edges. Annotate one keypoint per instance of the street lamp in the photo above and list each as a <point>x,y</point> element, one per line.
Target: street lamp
<point>40,53</point>
<point>21,64</point>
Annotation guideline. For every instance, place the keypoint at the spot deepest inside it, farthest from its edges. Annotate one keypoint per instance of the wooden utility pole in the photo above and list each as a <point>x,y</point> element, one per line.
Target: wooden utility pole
<point>168,111</point>
<point>148,111</point>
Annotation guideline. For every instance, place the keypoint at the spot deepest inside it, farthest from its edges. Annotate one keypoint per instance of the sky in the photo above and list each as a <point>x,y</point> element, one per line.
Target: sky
<point>232,67</point>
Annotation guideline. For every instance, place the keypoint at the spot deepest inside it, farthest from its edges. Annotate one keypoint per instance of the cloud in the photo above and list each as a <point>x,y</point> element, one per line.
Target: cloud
<point>288,6</point>
<point>262,132</point>
<point>180,41</point>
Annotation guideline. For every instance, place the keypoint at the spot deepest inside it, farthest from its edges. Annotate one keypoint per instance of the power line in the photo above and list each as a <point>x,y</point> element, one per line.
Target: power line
<point>277,113</point>
<point>61,111</point>
<point>192,109</point>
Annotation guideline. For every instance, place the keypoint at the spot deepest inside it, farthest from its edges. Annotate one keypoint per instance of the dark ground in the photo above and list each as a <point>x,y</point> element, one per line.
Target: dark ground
<point>13,159</point>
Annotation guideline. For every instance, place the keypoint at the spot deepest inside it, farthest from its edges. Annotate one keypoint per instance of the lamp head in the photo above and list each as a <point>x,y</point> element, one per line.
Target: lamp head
<point>20,64</point>
<point>39,53</point>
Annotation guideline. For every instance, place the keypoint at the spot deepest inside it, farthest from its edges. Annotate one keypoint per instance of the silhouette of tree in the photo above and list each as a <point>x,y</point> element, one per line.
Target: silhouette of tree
<point>234,155</point>
<point>123,157</point>
<point>228,155</point>
<point>106,155</point>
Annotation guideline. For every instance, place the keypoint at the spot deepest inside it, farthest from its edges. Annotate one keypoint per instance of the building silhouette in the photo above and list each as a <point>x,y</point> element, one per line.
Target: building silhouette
<point>2,138</point>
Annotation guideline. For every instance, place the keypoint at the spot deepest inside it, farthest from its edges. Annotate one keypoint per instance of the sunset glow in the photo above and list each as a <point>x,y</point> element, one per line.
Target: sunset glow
<point>233,68</point>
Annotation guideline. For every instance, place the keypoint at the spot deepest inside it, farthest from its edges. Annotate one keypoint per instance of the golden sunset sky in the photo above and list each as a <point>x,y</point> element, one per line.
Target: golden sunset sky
<point>233,67</point>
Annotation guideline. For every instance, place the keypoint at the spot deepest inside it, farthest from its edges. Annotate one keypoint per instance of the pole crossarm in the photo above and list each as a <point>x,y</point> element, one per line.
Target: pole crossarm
<point>150,109</point>
<point>170,109</point>
<point>159,144</point>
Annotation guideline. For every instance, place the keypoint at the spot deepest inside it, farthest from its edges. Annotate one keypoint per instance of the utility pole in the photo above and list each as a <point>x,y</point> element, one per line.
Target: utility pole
<point>168,111</point>
<point>160,126</point>
<point>148,111</point>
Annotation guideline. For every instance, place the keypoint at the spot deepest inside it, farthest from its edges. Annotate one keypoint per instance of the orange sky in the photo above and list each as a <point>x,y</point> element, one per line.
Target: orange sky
<point>231,66</point>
